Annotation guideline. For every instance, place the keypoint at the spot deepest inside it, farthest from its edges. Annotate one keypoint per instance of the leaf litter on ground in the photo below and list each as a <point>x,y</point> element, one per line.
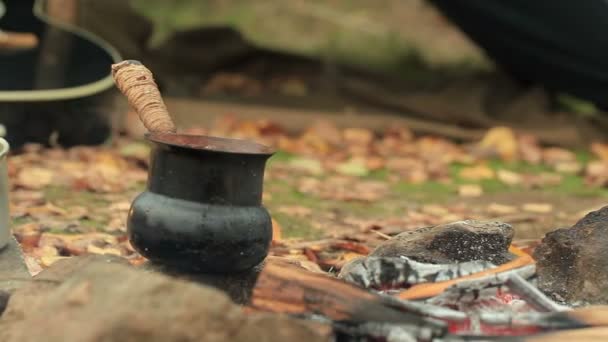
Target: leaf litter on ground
<point>348,189</point>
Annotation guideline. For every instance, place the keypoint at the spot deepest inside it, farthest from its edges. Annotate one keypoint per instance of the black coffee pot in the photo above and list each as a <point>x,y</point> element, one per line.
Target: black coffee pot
<point>202,208</point>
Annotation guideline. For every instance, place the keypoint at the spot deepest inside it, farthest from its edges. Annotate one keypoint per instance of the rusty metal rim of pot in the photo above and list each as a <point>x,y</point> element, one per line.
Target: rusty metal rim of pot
<point>210,144</point>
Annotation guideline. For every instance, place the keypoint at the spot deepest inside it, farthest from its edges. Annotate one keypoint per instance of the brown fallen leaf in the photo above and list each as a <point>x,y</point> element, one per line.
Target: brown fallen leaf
<point>496,209</point>
<point>47,261</point>
<point>311,255</point>
<point>555,155</point>
<point>502,141</point>
<point>600,150</point>
<point>596,173</point>
<point>46,210</point>
<point>541,180</point>
<point>353,167</point>
<point>343,188</point>
<point>277,231</point>
<point>477,172</point>
<point>358,136</point>
<point>538,208</point>
<point>32,265</point>
<point>352,247</point>
<point>374,163</point>
<point>529,149</point>
<point>470,190</point>
<point>34,178</point>
<point>435,210</point>
<point>28,235</point>
<point>571,167</point>
<point>92,249</point>
<point>402,133</point>
<point>509,177</point>
<point>295,210</point>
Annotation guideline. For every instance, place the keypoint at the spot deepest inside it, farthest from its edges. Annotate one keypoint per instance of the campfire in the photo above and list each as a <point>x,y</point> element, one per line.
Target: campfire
<point>397,298</point>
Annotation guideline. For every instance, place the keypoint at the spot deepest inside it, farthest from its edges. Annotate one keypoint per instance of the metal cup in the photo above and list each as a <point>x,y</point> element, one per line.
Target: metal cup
<point>5,230</point>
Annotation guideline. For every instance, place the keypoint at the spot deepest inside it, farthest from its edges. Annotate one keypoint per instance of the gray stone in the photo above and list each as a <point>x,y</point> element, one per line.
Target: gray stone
<point>452,242</point>
<point>13,270</point>
<point>101,301</point>
<point>238,286</point>
<point>572,263</point>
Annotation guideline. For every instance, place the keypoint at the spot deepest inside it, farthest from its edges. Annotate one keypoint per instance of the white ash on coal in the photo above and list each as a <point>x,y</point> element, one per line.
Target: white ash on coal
<point>385,273</point>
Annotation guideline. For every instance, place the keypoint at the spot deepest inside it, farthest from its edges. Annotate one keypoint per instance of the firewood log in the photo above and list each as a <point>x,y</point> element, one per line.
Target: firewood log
<point>286,288</point>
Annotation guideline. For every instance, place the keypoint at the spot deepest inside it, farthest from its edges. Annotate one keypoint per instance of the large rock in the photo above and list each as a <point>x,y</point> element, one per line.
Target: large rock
<point>13,271</point>
<point>104,301</point>
<point>238,286</point>
<point>452,242</point>
<point>573,262</point>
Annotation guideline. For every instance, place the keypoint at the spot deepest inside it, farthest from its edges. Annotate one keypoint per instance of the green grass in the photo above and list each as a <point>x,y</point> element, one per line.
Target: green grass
<point>280,157</point>
<point>425,192</point>
<point>294,227</point>
<point>98,225</point>
<point>18,221</point>
<point>59,194</point>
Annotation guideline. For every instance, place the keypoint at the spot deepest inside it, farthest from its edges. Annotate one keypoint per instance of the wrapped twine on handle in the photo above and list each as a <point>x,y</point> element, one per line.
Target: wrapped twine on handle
<point>136,82</point>
<point>17,40</point>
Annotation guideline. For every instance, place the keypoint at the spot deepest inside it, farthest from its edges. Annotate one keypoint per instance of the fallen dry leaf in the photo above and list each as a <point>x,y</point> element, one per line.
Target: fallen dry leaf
<point>435,210</point>
<point>538,208</point>
<point>600,150</point>
<point>92,249</point>
<point>502,141</point>
<point>470,190</point>
<point>358,136</point>
<point>277,231</point>
<point>47,261</point>
<point>509,177</point>
<point>353,167</point>
<point>571,167</point>
<point>555,155</point>
<point>295,210</point>
<point>541,180</point>
<point>477,172</point>
<point>529,149</point>
<point>352,247</point>
<point>34,178</point>
<point>496,209</point>
<point>32,265</point>
<point>596,173</point>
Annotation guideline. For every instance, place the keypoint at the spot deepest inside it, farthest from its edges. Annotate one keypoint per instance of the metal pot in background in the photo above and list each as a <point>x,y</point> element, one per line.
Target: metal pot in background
<point>5,231</point>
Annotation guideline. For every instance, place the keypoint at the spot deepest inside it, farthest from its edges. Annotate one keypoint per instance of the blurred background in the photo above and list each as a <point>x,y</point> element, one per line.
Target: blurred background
<point>382,61</point>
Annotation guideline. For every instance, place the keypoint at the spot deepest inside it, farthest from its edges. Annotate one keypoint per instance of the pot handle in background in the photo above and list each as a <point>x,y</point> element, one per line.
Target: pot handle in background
<point>17,40</point>
<point>136,82</point>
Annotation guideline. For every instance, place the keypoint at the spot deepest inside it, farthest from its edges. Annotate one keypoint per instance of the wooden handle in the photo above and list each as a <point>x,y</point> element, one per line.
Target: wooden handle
<point>17,40</point>
<point>136,82</point>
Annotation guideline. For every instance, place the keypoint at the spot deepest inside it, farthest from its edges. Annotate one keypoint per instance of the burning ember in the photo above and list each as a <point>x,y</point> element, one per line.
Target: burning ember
<point>391,296</point>
<point>472,298</point>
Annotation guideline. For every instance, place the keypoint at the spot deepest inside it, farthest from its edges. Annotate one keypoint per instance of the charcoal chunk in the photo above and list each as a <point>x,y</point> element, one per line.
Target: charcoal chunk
<point>453,242</point>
